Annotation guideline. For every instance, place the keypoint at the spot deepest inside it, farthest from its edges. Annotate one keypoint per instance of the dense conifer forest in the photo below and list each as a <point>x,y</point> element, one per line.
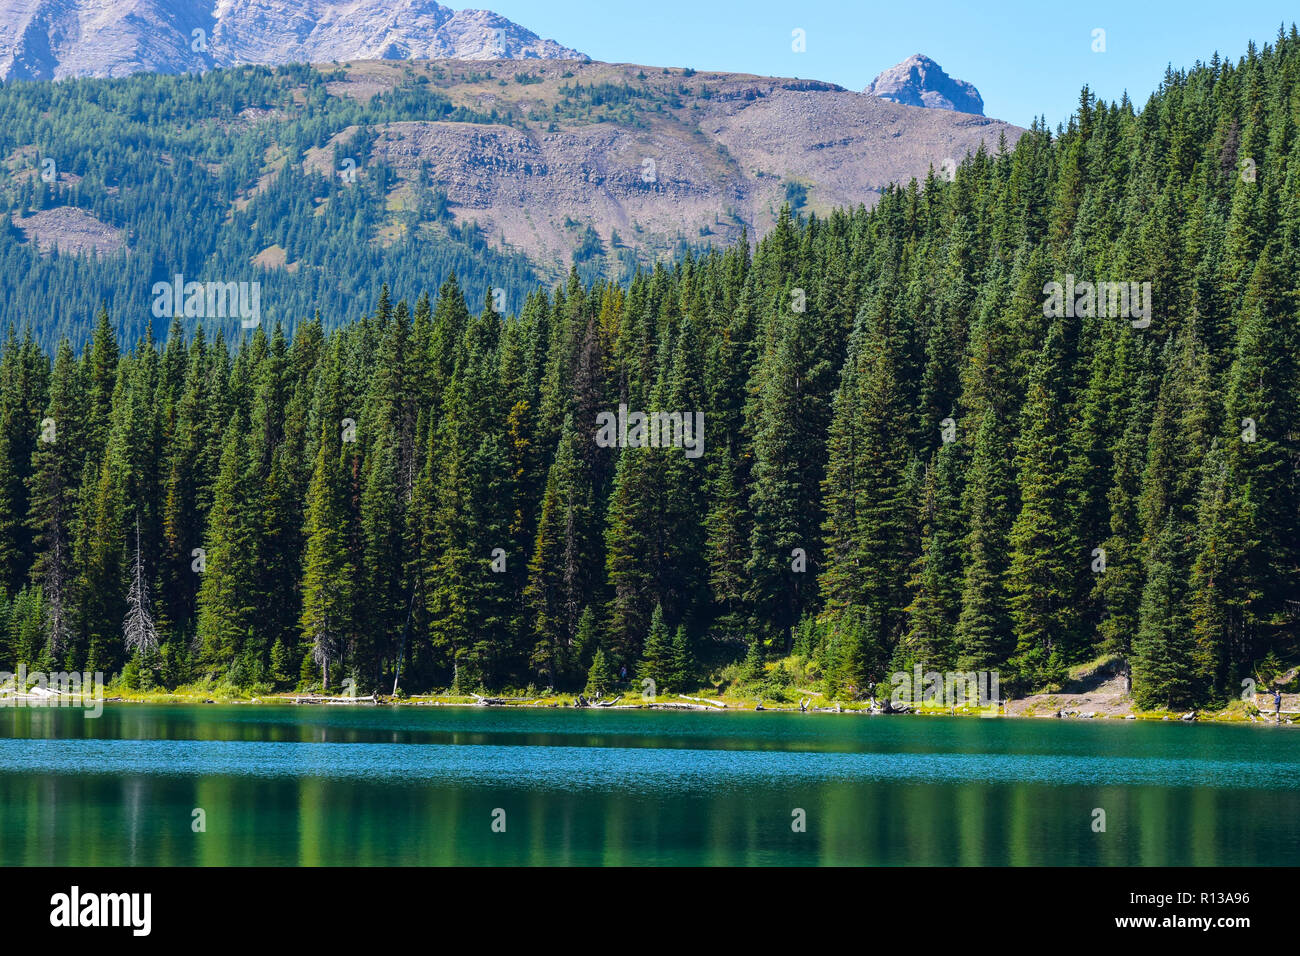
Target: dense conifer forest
<point>909,456</point>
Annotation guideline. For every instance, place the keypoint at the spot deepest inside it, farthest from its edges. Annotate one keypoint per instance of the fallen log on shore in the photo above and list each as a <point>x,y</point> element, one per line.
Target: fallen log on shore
<point>703,700</point>
<point>324,699</point>
<point>674,705</point>
<point>34,693</point>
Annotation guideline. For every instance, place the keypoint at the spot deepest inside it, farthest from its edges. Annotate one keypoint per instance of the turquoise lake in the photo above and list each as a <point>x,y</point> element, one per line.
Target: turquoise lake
<point>484,786</point>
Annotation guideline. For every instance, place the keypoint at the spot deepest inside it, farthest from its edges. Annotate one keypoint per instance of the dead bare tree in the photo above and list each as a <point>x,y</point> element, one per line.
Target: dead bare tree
<point>322,650</point>
<point>54,592</point>
<point>53,567</point>
<point>137,628</point>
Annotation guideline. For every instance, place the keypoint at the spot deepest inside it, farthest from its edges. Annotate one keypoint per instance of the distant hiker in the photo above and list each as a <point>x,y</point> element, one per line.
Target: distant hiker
<point>622,673</point>
<point>1277,703</point>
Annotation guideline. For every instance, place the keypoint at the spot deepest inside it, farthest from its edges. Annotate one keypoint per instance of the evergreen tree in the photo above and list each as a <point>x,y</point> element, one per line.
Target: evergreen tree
<point>1048,565</point>
<point>598,676</point>
<point>1163,675</point>
<point>657,663</point>
<point>327,584</point>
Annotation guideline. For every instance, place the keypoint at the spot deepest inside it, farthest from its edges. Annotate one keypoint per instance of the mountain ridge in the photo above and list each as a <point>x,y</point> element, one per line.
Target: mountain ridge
<point>57,39</point>
<point>307,177</point>
<point>724,151</point>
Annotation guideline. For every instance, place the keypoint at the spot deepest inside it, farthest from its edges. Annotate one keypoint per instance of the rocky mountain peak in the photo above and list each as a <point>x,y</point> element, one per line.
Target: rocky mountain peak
<point>919,81</point>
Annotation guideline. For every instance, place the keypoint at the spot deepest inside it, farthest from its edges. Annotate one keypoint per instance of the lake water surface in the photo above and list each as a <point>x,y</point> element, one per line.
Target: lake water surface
<point>415,785</point>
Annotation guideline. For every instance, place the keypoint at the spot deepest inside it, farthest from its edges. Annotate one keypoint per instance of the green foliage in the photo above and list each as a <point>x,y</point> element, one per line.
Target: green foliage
<point>599,678</point>
<point>681,669</point>
<point>657,659</point>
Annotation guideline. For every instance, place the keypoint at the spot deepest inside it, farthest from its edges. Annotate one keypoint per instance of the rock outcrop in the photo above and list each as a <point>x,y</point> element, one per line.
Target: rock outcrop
<point>705,165</point>
<point>919,81</point>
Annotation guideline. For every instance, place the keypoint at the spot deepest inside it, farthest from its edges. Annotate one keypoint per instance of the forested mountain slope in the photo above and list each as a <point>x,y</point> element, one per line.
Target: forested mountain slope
<point>322,184</point>
<point>914,450</point>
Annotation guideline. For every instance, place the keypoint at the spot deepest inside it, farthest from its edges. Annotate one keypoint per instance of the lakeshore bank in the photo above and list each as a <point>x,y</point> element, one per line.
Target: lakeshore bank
<point>1039,706</point>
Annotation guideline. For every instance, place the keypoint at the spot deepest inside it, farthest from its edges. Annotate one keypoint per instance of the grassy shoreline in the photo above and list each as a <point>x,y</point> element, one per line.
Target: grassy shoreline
<point>1237,712</point>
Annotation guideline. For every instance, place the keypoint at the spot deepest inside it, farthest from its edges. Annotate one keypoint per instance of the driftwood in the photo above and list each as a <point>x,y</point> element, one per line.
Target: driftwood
<point>701,700</point>
<point>9,692</point>
<point>322,699</point>
<point>607,703</point>
<point>482,701</point>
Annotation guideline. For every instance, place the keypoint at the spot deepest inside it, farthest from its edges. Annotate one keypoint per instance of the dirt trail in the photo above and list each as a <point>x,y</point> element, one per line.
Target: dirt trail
<point>1105,699</point>
<point>1102,695</point>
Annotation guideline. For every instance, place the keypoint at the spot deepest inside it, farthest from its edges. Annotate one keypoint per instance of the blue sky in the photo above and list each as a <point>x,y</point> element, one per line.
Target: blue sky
<point>1026,58</point>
